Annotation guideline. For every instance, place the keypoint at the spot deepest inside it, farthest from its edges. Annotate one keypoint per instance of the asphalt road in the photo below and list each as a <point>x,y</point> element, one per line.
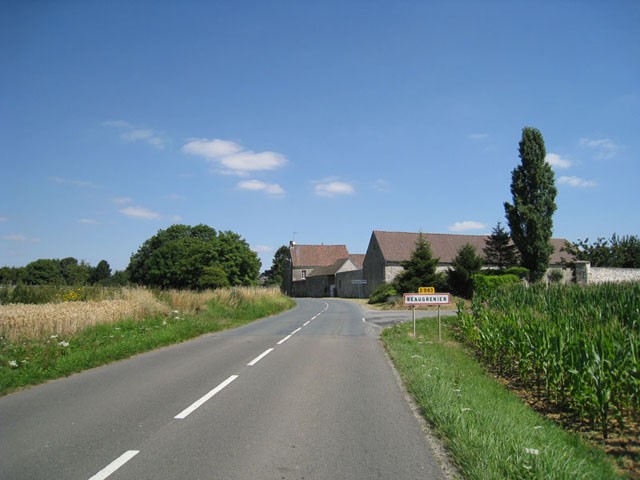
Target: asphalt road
<point>308,394</point>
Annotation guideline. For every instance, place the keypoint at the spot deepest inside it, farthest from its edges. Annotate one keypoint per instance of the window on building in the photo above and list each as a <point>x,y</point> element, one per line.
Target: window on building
<point>303,274</point>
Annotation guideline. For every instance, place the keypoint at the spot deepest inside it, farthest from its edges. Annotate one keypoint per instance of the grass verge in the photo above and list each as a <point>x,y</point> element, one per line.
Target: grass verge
<point>490,433</point>
<point>30,361</point>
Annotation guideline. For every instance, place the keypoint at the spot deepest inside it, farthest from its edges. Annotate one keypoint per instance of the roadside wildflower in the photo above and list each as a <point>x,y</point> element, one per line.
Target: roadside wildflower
<point>532,451</point>
<point>466,409</point>
<point>54,336</point>
<point>13,364</point>
<point>63,344</point>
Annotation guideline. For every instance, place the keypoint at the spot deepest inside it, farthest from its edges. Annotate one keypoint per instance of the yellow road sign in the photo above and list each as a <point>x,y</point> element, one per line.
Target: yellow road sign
<point>426,290</point>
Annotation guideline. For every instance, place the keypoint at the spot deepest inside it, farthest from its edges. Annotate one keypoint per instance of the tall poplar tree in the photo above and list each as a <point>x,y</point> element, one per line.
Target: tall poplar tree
<point>530,217</point>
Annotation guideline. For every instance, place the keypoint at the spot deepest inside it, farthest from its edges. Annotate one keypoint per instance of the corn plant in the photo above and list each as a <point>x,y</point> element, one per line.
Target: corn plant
<point>577,346</point>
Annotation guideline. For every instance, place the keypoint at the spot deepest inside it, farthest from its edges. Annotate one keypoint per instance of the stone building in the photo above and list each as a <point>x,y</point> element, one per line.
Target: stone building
<point>304,260</point>
<point>387,251</point>
<point>335,280</point>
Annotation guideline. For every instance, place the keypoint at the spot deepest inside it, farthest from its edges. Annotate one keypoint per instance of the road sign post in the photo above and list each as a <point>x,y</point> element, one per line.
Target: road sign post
<point>415,299</point>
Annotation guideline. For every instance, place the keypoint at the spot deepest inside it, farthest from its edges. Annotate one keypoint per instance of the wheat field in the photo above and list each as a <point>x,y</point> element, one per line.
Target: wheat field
<point>20,321</point>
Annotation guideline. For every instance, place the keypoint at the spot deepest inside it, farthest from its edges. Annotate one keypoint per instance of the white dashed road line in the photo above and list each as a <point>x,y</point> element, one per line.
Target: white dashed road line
<point>129,454</point>
<point>115,465</point>
<point>259,357</point>
<point>187,411</point>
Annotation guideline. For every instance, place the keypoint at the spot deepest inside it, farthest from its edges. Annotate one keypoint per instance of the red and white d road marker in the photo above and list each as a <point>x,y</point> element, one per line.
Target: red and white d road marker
<point>426,299</point>
<point>416,299</point>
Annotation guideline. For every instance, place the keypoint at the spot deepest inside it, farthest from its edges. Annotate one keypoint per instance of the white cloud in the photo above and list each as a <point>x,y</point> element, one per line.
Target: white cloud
<point>75,183</point>
<point>381,185</point>
<point>140,212</point>
<point>122,200</point>
<point>333,188</point>
<point>466,225</point>
<point>211,149</point>
<point>262,249</point>
<point>258,186</point>
<point>557,161</point>
<point>88,221</point>
<point>117,124</point>
<point>17,237</point>
<point>233,157</point>
<point>604,148</point>
<point>131,133</point>
<point>478,136</point>
<point>576,182</point>
<point>175,197</point>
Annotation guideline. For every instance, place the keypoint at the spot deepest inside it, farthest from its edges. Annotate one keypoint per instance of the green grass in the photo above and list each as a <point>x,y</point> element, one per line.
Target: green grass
<point>490,433</point>
<point>33,361</point>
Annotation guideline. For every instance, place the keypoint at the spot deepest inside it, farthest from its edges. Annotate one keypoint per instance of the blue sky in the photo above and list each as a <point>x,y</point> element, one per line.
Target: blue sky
<point>313,121</point>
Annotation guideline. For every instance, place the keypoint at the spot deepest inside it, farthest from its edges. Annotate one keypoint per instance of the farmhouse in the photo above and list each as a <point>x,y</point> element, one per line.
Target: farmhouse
<point>387,251</point>
<point>304,260</point>
<point>336,280</point>
<point>329,270</point>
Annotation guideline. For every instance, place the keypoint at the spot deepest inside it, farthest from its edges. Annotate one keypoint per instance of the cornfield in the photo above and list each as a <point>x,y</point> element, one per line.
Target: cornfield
<point>575,346</point>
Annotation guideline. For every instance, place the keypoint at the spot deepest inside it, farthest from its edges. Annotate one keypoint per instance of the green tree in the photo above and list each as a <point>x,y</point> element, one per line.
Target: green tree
<point>460,275</point>
<point>420,270</point>
<point>182,256</point>
<point>621,252</point>
<point>275,275</point>
<point>530,217</point>
<point>11,275</point>
<point>119,278</point>
<point>213,277</point>
<point>499,250</point>
<point>241,264</point>
<point>44,271</point>
<point>101,274</point>
<point>74,272</point>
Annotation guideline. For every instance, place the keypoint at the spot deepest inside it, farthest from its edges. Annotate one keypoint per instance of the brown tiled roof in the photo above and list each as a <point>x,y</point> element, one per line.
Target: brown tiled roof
<point>357,259</point>
<point>317,255</point>
<point>398,246</point>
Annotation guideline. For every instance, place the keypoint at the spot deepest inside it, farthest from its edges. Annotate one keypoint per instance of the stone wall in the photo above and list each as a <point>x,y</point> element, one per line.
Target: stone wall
<point>585,274</point>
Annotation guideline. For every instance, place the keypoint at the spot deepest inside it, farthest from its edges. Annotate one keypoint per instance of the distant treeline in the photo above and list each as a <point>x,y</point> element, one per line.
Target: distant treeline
<point>66,271</point>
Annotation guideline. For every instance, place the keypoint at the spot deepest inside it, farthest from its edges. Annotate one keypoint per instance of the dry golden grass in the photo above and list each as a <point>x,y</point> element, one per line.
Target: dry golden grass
<point>191,302</point>
<point>18,321</point>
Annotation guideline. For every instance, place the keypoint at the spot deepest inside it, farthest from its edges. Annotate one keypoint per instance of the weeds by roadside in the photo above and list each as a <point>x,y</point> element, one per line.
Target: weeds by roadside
<point>490,433</point>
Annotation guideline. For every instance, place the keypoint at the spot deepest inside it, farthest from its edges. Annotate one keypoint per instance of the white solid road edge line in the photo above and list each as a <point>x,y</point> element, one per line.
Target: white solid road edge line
<point>259,357</point>
<point>187,411</point>
<point>115,465</point>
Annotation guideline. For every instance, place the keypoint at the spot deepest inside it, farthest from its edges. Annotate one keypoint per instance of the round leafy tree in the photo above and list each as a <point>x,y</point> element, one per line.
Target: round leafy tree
<point>194,258</point>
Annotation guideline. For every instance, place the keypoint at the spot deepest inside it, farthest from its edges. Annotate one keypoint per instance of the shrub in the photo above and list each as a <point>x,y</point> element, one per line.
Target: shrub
<point>382,293</point>
<point>487,283</point>
<point>555,275</point>
<point>520,272</point>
